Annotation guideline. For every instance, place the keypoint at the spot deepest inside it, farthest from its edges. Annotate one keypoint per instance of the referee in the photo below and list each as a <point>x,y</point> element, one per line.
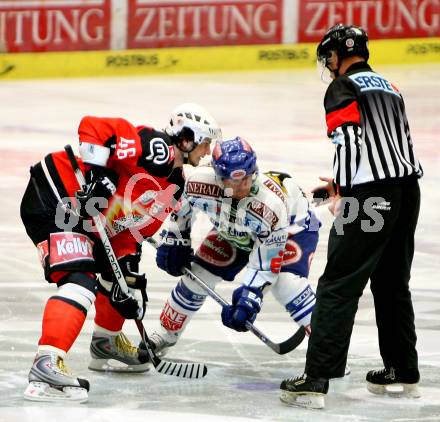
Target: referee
<point>376,176</point>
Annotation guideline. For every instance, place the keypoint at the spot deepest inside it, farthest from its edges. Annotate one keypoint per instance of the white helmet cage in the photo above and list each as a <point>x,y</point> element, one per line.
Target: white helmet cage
<point>196,118</point>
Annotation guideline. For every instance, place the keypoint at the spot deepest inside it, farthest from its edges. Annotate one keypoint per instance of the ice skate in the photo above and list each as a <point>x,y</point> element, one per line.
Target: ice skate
<point>388,381</point>
<point>304,391</point>
<point>50,380</point>
<point>117,354</point>
<point>160,342</point>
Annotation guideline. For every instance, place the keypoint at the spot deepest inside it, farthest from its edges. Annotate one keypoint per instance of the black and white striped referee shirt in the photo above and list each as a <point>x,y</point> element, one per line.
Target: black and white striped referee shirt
<point>366,121</point>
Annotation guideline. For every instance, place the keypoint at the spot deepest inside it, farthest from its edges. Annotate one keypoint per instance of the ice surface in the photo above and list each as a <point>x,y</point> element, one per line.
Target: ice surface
<point>281,114</point>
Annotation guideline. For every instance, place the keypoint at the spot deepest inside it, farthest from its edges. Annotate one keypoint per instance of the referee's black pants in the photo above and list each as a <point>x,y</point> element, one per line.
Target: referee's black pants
<point>383,256</point>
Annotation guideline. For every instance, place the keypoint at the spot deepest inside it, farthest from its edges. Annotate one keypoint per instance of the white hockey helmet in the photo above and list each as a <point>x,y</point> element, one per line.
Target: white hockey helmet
<point>197,119</point>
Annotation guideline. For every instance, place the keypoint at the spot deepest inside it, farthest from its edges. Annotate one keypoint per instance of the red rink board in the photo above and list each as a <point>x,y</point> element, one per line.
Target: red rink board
<point>154,23</point>
<point>54,25</point>
<point>381,18</point>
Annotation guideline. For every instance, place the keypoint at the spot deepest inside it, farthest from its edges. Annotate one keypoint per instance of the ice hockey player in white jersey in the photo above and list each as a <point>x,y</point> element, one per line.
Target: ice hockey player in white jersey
<point>261,221</point>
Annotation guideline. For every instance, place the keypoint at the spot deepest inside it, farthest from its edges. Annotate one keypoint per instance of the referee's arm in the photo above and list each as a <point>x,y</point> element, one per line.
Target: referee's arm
<point>343,128</point>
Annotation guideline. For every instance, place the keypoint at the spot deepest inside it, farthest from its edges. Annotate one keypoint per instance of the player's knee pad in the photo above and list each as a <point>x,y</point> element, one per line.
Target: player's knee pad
<point>83,279</point>
<point>78,289</point>
<point>296,295</point>
<point>66,252</point>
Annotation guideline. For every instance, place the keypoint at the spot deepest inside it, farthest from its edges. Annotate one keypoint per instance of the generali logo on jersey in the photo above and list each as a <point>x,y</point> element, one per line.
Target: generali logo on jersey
<point>54,25</point>
<point>264,212</point>
<point>173,23</point>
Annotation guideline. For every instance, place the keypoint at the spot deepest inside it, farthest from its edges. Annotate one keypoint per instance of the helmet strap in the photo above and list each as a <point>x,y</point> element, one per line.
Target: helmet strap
<point>177,140</point>
<point>336,71</point>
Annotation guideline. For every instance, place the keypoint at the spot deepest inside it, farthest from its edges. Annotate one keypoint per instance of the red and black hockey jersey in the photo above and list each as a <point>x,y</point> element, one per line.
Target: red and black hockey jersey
<point>142,157</point>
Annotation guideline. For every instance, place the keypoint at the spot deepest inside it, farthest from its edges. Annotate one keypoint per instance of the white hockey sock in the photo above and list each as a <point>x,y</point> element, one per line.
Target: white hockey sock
<point>180,307</point>
<point>44,348</point>
<point>297,296</point>
<point>185,300</point>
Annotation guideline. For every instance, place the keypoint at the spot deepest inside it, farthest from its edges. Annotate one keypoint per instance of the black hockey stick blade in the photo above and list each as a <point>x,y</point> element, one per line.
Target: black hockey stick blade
<point>293,342</point>
<point>280,348</point>
<point>191,370</point>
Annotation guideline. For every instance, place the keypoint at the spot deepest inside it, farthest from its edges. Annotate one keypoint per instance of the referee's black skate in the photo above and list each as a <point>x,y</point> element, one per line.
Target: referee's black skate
<point>396,383</point>
<point>304,391</point>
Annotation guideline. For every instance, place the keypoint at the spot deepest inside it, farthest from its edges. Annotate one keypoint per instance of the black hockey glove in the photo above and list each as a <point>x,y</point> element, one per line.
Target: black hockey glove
<point>323,193</point>
<point>101,185</point>
<point>130,269</point>
<point>127,305</point>
<point>320,195</point>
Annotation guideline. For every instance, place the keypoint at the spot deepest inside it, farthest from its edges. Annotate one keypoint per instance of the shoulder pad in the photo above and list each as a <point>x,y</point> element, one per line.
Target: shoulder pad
<point>157,152</point>
<point>340,92</point>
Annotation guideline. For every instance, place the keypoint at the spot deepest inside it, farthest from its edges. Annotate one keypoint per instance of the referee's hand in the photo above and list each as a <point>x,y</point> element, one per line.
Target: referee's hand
<point>321,194</point>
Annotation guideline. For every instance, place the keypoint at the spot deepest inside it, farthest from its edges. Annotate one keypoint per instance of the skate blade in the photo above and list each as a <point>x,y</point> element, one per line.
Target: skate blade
<point>113,365</point>
<point>41,391</point>
<point>307,400</point>
<point>395,390</point>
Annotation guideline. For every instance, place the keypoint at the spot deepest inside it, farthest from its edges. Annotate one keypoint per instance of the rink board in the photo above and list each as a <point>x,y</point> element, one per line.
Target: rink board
<point>199,59</point>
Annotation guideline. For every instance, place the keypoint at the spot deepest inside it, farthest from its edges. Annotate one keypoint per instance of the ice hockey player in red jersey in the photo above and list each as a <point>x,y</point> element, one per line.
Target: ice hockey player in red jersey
<point>134,178</point>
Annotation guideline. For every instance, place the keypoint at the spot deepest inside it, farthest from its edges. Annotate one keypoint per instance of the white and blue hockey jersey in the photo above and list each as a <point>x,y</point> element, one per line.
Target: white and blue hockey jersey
<point>275,210</point>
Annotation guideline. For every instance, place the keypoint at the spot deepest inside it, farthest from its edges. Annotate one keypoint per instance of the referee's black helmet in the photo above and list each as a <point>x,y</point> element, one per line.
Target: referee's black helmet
<point>346,40</point>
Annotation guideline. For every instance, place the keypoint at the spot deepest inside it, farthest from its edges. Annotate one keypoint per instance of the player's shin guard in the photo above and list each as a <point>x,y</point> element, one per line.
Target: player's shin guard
<point>106,316</point>
<point>297,296</point>
<point>65,313</point>
<point>185,300</point>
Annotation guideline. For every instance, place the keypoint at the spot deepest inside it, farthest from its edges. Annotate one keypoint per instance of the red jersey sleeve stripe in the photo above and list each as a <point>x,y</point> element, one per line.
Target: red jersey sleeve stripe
<point>348,114</point>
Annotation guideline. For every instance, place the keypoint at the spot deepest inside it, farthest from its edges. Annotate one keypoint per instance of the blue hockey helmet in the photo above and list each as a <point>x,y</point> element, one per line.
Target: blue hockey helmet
<point>234,159</point>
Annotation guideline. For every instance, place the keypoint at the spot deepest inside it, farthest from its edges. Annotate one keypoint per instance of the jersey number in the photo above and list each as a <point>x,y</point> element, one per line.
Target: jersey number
<point>126,149</point>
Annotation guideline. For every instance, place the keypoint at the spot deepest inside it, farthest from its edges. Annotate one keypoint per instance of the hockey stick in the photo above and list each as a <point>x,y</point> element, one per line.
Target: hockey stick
<point>178,369</point>
<point>280,348</point>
